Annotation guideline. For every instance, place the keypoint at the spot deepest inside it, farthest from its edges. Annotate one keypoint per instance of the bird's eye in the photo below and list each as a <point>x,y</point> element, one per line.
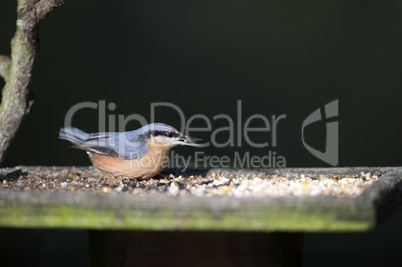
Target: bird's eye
<point>168,134</point>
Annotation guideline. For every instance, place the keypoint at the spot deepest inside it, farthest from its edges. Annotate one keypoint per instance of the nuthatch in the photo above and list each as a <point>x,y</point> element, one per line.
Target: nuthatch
<point>142,153</point>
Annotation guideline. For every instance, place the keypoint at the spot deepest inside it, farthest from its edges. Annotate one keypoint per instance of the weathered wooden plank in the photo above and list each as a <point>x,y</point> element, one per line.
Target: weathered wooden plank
<point>130,211</point>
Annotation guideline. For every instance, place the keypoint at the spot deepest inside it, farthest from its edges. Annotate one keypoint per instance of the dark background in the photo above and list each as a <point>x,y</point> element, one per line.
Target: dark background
<point>288,57</point>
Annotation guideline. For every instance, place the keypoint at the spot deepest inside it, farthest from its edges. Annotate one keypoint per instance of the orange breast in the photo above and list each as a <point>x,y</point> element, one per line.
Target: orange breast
<point>149,165</point>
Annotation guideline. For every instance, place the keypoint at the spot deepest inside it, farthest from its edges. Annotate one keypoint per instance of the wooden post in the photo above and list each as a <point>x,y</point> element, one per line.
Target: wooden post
<point>194,248</point>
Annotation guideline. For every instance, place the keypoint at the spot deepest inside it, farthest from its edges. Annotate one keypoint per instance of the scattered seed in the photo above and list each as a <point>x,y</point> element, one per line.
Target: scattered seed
<point>239,184</point>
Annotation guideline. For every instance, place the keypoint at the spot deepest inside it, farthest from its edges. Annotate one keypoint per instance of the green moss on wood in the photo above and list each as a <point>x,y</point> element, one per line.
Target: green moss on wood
<point>250,219</point>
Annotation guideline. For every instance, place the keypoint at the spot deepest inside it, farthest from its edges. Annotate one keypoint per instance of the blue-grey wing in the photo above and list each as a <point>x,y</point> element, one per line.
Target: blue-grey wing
<point>126,145</point>
<point>102,145</point>
<point>130,145</point>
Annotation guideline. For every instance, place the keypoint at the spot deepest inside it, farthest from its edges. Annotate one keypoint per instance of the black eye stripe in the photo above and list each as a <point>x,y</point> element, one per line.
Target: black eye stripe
<point>165,133</point>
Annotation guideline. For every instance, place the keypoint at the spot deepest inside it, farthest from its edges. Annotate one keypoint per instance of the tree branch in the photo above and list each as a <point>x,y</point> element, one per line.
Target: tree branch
<point>44,7</point>
<point>5,63</point>
<point>16,101</point>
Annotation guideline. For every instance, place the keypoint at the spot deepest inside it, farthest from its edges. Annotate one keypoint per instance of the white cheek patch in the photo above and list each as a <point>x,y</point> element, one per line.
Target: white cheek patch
<point>162,140</point>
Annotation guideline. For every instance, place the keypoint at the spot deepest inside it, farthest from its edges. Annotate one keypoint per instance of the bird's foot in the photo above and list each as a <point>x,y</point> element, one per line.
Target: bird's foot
<point>159,176</point>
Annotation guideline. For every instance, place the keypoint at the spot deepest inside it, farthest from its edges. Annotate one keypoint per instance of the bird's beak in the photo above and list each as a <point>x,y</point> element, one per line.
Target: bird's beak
<point>189,141</point>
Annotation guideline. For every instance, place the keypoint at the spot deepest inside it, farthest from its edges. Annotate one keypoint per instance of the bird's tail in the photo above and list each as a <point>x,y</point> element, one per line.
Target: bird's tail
<point>74,135</point>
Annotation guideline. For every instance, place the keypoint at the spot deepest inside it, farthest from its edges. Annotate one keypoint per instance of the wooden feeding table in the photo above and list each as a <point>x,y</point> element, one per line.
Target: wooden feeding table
<point>200,216</point>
